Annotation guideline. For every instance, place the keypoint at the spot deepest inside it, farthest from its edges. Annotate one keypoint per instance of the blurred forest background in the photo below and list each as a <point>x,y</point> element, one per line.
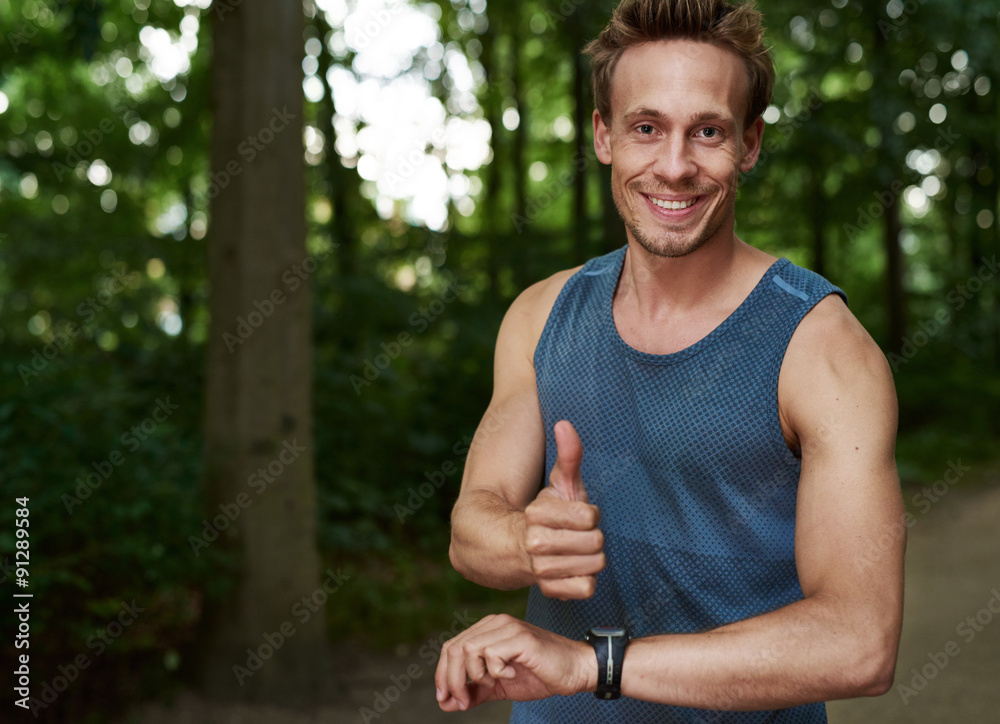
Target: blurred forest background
<point>444,154</point>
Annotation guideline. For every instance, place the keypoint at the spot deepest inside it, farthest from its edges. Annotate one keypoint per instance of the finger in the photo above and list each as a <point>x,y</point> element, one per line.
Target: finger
<point>453,691</point>
<point>577,588</point>
<point>449,697</point>
<point>473,677</point>
<point>457,677</point>
<point>544,541</point>
<point>565,477</point>
<point>449,704</point>
<point>475,665</point>
<point>443,692</point>
<point>498,667</point>
<point>505,654</point>
<point>552,567</point>
<point>485,660</point>
<point>550,511</point>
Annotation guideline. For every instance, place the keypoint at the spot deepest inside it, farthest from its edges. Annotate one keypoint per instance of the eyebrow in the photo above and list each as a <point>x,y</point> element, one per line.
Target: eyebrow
<point>694,118</point>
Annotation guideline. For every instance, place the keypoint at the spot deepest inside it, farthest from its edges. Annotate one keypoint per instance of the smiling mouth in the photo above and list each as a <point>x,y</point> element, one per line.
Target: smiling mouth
<point>672,205</point>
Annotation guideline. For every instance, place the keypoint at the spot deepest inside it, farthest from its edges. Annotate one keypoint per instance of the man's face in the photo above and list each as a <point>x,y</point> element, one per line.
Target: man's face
<point>676,143</point>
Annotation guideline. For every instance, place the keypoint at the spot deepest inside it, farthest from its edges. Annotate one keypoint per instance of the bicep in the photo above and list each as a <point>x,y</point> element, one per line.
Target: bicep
<point>507,455</point>
<point>840,400</point>
<point>506,462</point>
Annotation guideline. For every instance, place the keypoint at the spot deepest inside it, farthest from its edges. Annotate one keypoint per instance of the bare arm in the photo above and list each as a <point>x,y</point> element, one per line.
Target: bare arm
<point>837,400</point>
<point>496,539</point>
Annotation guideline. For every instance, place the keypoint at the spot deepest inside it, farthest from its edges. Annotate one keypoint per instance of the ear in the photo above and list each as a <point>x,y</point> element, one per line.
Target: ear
<point>752,139</point>
<point>602,139</point>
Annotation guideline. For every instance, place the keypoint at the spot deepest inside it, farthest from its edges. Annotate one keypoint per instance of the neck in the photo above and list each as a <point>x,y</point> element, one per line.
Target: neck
<point>660,287</point>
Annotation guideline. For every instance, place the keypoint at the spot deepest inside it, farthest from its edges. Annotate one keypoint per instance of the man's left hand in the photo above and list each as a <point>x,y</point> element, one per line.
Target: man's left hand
<point>502,657</point>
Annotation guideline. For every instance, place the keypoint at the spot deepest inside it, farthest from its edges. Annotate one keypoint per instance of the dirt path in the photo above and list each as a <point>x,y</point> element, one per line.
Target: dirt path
<point>953,572</point>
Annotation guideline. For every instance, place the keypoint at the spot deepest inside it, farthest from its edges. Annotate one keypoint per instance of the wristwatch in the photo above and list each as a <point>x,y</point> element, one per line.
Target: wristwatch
<point>609,644</point>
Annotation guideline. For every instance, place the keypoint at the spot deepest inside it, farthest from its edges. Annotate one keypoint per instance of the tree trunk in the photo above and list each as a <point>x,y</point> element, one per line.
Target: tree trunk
<point>817,217</point>
<point>258,412</point>
<point>895,294</point>
<point>519,259</point>
<point>890,159</point>
<point>491,198</point>
<point>339,187</point>
<point>581,162</point>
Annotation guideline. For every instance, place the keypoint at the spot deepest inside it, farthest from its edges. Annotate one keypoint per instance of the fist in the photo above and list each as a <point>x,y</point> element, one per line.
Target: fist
<point>562,540</point>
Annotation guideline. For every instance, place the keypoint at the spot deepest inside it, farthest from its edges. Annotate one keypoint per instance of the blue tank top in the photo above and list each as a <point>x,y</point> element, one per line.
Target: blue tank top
<point>683,454</point>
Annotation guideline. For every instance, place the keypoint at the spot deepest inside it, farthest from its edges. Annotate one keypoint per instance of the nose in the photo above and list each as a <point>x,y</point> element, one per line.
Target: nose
<point>675,159</point>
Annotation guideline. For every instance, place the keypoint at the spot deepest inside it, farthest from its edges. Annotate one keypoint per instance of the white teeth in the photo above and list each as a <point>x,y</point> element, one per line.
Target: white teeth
<point>672,205</point>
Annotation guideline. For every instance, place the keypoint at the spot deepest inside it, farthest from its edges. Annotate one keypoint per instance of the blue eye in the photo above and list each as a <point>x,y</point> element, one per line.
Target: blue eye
<point>710,132</point>
<point>645,129</point>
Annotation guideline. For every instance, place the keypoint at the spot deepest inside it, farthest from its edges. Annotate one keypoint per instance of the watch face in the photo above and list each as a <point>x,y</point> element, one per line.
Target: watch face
<point>607,631</point>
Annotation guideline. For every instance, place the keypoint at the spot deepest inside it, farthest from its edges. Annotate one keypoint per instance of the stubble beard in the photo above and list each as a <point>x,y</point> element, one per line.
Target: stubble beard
<point>671,244</point>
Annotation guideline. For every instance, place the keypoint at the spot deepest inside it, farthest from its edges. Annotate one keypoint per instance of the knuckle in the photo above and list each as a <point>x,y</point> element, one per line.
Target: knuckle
<point>533,543</point>
<point>554,588</point>
<point>582,514</point>
<point>567,595</point>
<point>543,568</point>
<point>540,511</point>
<point>595,515</point>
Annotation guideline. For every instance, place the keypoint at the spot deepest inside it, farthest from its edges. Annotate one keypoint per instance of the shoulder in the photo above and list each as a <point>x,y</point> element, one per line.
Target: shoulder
<point>829,332</point>
<point>832,362</point>
<point>525,319</point>
<point>803,283</point>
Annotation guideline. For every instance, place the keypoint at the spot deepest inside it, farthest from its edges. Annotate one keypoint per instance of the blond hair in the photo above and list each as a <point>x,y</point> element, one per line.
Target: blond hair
<point>736,27</point>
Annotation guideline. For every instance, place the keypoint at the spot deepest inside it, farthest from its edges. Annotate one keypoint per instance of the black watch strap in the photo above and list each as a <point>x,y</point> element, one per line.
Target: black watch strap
<point>609,644</point>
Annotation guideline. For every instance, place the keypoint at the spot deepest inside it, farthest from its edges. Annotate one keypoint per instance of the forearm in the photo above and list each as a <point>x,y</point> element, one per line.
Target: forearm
<point>487,542</point>
<point>813,650</point>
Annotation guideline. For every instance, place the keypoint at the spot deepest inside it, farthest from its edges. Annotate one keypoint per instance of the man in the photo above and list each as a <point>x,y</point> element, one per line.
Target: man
<point>717,431</point>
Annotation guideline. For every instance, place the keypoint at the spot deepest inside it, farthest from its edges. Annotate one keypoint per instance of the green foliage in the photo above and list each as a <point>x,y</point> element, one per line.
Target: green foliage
<point>946,416</point>
<point>85,359</point>
<point>113,496</point>
<point>373,607</point>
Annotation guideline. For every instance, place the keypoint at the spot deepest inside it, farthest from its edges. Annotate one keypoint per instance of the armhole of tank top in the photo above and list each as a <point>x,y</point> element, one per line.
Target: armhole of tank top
<point>560,298</point>
<point>776,435</point>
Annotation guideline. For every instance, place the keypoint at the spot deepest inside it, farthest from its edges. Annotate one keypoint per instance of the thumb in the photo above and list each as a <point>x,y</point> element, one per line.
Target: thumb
<point>565,478</point>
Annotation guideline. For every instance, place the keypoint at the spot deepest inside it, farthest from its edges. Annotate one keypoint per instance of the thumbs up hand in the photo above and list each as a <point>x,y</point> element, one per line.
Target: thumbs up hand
<point>562,540</point>
<point>565,478</point>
